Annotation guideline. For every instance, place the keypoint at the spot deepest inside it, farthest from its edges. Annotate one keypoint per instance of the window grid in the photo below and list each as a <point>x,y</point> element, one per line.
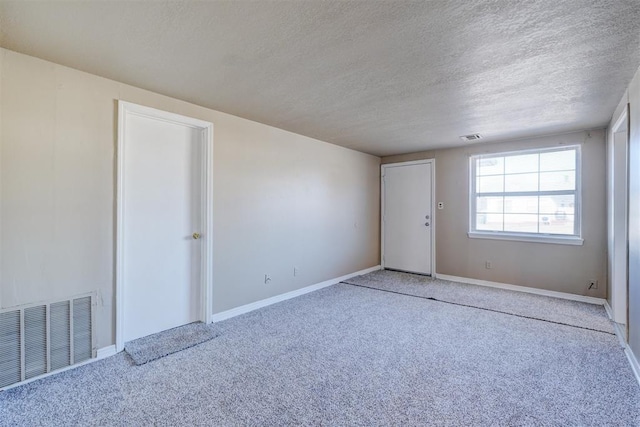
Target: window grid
<point>542,216</point>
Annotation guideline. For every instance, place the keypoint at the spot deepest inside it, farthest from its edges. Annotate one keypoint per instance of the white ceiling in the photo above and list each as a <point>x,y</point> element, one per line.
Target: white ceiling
<point>383,77</point>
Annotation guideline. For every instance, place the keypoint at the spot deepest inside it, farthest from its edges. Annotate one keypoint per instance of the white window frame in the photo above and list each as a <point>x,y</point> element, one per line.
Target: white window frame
<point>575,239</point>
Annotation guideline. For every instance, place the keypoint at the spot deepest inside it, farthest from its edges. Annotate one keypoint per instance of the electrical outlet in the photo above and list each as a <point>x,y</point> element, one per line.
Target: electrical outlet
<point>267,278</point>
<point>488,265</point>
<point>593,284</point>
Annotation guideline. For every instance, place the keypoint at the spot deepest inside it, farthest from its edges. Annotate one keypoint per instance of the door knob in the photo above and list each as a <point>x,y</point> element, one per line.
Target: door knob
<point>426,224</point>
<point>195,236</point>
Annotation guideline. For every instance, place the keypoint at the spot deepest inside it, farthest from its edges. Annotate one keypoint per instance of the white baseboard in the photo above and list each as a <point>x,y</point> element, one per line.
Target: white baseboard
<point>106,352</point>
<point>283,297</point>
<point>608,309</point>
<point>517,288</point>
<point>101,353</point>
<point>635,366</point>
<point>633,361</point>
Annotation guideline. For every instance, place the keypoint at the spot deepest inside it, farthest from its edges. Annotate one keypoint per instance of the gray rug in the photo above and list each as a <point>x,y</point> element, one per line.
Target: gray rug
<point>351,356</point>
<point>153,347</point>
<point>549,309</point>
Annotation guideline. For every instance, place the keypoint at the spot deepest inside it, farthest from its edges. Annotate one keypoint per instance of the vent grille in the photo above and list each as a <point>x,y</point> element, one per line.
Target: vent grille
<point>10,363</point>
<point>472,137</point>
<point>82,346</point>
<point>60,335</point>
<point>42,338</point>
<point>35,341</point>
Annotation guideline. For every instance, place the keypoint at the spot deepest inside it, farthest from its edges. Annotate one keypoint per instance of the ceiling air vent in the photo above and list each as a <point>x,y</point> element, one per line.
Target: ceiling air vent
<point>472,137</point>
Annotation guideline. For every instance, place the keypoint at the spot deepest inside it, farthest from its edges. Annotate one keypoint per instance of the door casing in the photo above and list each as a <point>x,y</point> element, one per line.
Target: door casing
<point>206,268</point>
<point>383,167</point>
<point>618,277</point>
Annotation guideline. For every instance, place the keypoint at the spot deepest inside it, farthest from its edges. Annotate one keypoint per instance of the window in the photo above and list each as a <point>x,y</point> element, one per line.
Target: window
<point>531,195</point>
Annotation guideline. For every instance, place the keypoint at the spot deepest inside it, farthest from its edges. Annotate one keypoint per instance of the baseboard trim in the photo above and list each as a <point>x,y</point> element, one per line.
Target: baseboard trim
<point>635,366</point>
<point>608,309</point>
<point>633,361</point>
<point>101,353</point>
<point>106,352</point>
<point>224,315</point>
<point>517,288</point>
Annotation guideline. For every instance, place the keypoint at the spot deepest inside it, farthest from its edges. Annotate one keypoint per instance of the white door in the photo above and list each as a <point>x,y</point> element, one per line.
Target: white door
<point>407,217</point>
<point>161,213</point>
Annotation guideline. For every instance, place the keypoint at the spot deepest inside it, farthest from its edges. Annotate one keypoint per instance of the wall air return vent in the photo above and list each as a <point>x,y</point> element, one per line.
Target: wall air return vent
<point>41,338</point>
<point>472,137</point>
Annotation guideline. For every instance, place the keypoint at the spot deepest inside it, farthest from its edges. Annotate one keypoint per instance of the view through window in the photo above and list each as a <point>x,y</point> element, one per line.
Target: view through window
<point>533,192</point>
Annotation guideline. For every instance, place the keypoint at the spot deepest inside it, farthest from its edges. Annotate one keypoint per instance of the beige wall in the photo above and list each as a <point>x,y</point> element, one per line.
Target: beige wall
<point>562,268</point>
<point>281,200</point>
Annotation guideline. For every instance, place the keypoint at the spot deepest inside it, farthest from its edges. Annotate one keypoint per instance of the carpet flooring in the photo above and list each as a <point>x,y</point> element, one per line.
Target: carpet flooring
<point>352,356</point>
<point>573,313</point>
<point>153,347</point>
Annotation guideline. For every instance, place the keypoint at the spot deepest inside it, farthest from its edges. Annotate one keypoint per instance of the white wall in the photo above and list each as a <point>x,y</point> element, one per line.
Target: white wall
<point>562,268</point>
<point>281,200</point>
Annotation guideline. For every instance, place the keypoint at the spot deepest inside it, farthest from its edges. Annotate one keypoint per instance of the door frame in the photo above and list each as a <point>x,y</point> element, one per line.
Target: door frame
<point>618,293</point>
<point>383,168</point>
<point>206,184</point>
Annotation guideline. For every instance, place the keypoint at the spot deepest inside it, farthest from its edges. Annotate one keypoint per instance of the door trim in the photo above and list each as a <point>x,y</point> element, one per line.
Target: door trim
<point>383,167</point>
<point>206,282</point>
<point>614,285</point>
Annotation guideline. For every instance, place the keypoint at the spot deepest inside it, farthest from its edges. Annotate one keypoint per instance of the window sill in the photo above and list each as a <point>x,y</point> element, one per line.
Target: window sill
<point>575,241</point>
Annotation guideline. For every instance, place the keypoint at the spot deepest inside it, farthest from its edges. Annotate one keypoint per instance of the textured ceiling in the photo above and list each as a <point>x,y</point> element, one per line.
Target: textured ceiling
<point>383,77</point>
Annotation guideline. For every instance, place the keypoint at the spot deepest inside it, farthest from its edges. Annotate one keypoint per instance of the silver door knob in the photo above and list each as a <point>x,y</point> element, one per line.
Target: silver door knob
<point>426,224</point>
<point>195,236</point>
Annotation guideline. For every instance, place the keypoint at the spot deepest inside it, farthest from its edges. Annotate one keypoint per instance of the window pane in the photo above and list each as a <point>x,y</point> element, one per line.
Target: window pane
<point>524,223</point>
<point>557,205</point>
<point>489,204</point>
<point>521,182</point>
<point>550,181</point>
<point>558,161</point>
<point>489,222</point>
<point>490,166</point>
<point>509,192</point>
<point>490,184</point>
<point>521,164</point>
<point>550,224</point>
<point>521,205</point>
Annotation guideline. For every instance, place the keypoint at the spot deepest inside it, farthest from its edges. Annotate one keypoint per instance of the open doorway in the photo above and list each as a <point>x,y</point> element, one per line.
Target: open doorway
<point>618,217</point>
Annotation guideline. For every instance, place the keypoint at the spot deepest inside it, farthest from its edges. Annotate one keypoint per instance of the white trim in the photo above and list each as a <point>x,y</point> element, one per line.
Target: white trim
<point>224,315</point>
<point>635,366</point>
<point>106,352</point>
<point>631,357</point>
<point>102,353</point>
<point>432,162</point>
<point>633,361</point>
<point>517,288</point>
<point>624,115</point>
<point>409,163</point>
<point>618,289</point>
<point>572,239</point>
<point>500,235</point>
<point>206,287</point>
<point>620,334</point>
<point>607,308</point>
